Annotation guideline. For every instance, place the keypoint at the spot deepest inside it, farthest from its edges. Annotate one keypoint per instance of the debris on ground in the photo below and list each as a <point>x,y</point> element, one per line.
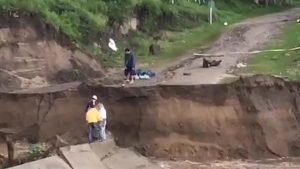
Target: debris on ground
<point>241,65</point>
<point>23,153</point>
<point>144,74</point>
<point>209,63</point>
<point>247,36</point>
<point>230,71</point>
<point>187,74</point>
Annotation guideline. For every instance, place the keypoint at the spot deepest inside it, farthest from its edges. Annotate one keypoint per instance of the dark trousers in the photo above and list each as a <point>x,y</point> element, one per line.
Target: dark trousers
<point>129,71</point>
<point>93,131</point>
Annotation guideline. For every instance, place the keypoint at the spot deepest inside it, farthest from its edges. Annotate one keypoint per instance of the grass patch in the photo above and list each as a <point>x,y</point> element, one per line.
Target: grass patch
<point>181,42</point>
<point>279,63</point>
<point>74,18</point>
<point>86,22</point>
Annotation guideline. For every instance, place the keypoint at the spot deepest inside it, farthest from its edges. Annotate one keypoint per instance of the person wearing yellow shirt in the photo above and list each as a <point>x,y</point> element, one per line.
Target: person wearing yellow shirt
<point>93,119</point>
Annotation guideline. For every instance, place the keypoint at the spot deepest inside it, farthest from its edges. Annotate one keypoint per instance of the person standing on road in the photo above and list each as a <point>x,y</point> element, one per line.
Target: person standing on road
<point>129,66</point>
<point>103,121</point>
<point>93,119</point>
<point>91,103</point>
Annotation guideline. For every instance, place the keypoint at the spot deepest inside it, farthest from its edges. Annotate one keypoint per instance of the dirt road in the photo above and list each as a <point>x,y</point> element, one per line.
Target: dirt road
<point>243,37</point>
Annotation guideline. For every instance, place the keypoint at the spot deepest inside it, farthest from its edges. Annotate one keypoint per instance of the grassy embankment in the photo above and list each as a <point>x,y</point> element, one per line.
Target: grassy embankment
<point>86,22</point>
<point>182,41</point>
<point>286,64</point>
<point>203,35</point>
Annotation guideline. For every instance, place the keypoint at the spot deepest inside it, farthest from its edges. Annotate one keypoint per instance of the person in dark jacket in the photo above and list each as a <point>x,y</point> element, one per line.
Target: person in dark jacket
<point>91,103</point>
<point>129,63</point>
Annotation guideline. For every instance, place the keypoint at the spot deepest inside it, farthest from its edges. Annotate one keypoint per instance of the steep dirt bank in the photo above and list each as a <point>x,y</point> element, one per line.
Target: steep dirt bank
<point>33,54</point>
<point>253,118</point>
<point>256,117</point>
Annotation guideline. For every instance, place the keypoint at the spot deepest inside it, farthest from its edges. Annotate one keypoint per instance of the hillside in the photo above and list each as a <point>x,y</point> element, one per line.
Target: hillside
<point>54,56</point>
<point>57,41</point>
<point>89,24</point>
<point>33,54</point>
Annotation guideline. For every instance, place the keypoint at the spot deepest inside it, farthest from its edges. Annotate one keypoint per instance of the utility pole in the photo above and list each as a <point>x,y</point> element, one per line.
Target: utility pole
<point>211,6</point>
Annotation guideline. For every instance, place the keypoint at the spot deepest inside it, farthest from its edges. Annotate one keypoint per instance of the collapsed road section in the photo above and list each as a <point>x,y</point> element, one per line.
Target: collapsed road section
<point>254,118</point>
<point>98,155</point>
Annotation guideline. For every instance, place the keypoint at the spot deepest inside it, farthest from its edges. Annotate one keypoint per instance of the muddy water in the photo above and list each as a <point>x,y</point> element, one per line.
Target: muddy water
<point>283,163</point>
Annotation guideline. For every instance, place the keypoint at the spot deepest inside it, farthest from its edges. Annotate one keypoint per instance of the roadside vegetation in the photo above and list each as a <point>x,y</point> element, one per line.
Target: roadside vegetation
<point>89,23</point>
<point>286,64</point>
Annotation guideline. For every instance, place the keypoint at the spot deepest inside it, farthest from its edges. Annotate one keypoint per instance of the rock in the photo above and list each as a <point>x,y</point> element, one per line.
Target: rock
<point>130,24</point>
<point>154,49</point>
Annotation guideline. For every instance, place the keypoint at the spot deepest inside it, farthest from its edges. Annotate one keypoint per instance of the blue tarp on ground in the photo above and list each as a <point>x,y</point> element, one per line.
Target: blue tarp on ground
<point>144,74</point>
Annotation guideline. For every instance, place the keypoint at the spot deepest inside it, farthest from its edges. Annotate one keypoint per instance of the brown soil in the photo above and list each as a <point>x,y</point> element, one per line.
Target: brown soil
<point>253,118</point>
<point>33,54</point>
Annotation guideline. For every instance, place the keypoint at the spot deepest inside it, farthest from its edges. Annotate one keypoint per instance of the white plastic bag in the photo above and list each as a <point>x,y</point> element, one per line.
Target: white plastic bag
<point>112,45</point>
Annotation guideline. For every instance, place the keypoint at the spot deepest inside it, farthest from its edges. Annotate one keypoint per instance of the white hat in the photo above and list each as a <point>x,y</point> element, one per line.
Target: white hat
<point>94,97</point>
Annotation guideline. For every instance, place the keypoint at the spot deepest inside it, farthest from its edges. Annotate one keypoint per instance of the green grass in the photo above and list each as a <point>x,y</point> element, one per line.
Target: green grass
<point>177,44</point>
<point>74,18</point>
<point>86,22</point>
<point>202,35</point>
<point>279,63</point>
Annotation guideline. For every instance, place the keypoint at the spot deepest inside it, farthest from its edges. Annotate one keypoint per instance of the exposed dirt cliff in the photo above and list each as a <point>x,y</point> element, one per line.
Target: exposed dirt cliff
<point>255,117</point>
<point>252,118</point>
<point>32,55</point>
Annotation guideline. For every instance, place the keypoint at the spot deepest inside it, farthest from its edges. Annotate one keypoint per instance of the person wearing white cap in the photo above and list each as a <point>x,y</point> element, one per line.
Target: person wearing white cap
<point>91,103</point>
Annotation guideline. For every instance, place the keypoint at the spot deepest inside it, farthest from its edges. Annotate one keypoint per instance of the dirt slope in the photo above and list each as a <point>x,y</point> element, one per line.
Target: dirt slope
<point>33,54</point>
<point>253,118</point>
<point>243,37</point>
